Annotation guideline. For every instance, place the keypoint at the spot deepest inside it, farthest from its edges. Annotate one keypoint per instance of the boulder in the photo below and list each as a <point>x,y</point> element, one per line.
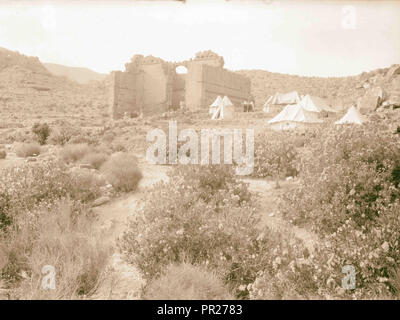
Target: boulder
<point>85,166</point>
<point>392,72</point>
<point>368,103</point>
<point>100,201</point>
<point>366,85</point>
<point>377,91</point>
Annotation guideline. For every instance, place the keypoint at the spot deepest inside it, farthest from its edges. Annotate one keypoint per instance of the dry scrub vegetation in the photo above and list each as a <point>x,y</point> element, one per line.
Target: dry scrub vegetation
<point>46,216</point>
<point>200,235</point>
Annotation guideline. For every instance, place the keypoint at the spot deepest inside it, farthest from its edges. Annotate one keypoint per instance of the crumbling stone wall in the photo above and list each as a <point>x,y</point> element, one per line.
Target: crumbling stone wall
<point>151,85</point>
<point>223,82</point>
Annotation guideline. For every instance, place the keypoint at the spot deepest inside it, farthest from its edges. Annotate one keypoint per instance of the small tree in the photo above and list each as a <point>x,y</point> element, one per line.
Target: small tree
<point>42,131</point>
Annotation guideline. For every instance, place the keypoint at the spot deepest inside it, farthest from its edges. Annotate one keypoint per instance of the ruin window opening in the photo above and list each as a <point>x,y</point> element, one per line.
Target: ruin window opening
<point>181,70</point>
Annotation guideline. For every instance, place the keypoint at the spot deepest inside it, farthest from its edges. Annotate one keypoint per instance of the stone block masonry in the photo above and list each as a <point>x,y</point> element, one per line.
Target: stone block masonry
<point>150,85</point>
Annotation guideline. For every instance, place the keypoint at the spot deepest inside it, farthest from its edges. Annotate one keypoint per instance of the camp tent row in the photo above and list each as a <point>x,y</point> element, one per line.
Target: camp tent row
<point>310,103</point>
<point>281,99</point>
<point>222,108</point>
<point>284,98</point>
<point>315,104</point>
<point>294,116</point>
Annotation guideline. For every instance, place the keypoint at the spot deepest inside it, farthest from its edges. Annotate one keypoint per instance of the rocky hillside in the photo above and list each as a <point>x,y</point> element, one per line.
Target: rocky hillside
<point>80,75</point>
<point>340,92</point>
<point>29,90</point>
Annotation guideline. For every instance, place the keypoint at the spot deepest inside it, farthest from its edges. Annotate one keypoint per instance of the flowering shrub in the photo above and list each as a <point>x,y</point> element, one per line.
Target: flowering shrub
<point>202,216</point>
<point>349,194</point>
<point>275,155</point>
<point>210,180</point>
<point>24,187</point>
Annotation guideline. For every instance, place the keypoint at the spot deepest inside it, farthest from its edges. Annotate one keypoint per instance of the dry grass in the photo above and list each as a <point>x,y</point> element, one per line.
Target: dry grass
<point>96,159</point>
<point>187,282</point>
<point>59,238</point>
<point>27,149</point>
<point>74,152</point>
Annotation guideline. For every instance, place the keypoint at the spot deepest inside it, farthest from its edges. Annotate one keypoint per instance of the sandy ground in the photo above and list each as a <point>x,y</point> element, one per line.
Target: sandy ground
<point>122,280</point>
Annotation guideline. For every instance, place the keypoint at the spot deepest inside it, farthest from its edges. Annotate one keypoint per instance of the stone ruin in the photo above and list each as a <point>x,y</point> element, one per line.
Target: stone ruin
<point>150,85</point>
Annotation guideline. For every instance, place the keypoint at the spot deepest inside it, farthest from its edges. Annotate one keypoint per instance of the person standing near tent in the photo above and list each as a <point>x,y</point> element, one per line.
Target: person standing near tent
<point>252,106</point>
<point>245,106</point>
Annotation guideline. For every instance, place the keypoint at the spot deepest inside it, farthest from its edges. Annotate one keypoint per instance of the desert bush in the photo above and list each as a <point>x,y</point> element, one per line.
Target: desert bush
<point>275,155</point>
<point>187,282</point>
<point>60,236</point>
<point>349,194</point>
<point>220,230</point>
<point>25,187</point>
<point>62,134</point>
<point>96,159</point>
<point>42,131</point>
<point>3,154</point>
<point>27,149</point>
<point>85,185</point>
<point>74,152</point>
<point>352,172</point>
<point>121,170</point>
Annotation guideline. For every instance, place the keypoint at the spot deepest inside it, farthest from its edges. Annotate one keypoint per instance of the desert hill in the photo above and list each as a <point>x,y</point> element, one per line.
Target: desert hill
<point>339,91</point>
<point>29,90</point>
<point>80,75</point>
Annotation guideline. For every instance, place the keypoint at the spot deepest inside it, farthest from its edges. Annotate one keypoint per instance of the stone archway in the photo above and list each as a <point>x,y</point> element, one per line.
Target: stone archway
<point>179,85</point>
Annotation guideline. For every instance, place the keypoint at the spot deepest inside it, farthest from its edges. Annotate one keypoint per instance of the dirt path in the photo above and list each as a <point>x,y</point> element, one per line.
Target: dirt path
<point>121,280</point>
<point>267,194</point>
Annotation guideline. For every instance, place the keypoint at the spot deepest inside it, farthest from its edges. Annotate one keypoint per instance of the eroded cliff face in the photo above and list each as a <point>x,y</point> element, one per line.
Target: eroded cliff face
<point>151,85</point>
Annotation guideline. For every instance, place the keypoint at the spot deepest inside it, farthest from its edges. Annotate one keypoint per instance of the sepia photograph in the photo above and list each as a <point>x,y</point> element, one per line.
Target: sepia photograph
<point>203,150</point>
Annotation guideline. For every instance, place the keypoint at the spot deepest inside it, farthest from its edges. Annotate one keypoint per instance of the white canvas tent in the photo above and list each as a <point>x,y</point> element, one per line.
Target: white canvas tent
<point>351,117</point>
<point>281,99</point>
<point>214,106</point>
<point>315,104</point>
<point>266,108</point>
<point>285,98</point>
<point>226,101</point>
<point>225,111</point>
<point>293,116</point>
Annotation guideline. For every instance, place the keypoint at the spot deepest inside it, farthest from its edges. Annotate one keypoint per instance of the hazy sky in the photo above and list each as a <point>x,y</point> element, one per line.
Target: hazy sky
<point>326,38</point>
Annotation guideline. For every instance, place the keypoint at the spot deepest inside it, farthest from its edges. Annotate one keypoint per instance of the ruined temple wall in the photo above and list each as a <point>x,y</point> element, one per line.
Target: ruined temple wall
<point>217,81</point>
<point>178,90</point>
<point>123,93</point>
<point>150,85</point>
<point>194,87</point>
<point>155,88</point>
